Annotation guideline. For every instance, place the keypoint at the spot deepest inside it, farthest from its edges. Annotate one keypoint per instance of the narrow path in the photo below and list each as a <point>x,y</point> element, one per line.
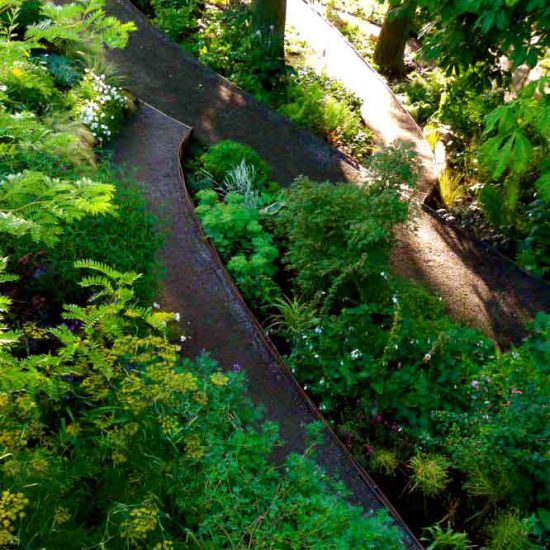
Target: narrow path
<point>478,287</point>
<point>219,322</point>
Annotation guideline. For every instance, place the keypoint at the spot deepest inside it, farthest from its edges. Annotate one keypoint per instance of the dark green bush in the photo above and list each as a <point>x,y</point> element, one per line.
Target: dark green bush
<point>227,154</point>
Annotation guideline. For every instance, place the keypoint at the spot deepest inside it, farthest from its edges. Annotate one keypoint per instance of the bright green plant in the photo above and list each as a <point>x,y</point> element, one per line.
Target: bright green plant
<point>429,474</point>
<point>227,155</point>
<point>445,539</point>
<point>247,248</point>
<point>516,139</point>
<point>511,532</point>
<point>293,317</point>
<point>450,187</point>
<point>384,461</point>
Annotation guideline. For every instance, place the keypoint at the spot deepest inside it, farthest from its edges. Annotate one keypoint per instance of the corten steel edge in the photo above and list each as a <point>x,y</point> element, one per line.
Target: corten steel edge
<point>220,322</point>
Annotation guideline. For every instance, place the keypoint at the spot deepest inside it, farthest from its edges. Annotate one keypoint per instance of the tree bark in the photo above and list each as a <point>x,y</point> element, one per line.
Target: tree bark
<point>389,54</point>
<point>269,19</point>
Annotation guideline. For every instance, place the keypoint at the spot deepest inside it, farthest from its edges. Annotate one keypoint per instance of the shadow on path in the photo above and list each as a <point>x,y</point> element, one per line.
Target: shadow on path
<point>161,73</point>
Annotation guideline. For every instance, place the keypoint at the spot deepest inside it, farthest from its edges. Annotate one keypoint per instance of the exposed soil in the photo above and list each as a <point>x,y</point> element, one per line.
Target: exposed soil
<point>216,318</point>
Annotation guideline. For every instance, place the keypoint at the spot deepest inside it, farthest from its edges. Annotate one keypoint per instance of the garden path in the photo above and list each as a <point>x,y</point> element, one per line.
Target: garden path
<point>478,287</point>
<point>216,318</point>
<point>381,111</point>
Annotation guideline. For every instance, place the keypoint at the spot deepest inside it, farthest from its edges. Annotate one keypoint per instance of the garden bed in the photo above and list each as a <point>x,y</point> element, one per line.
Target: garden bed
<point>358,379</point>
<point>433,205</point>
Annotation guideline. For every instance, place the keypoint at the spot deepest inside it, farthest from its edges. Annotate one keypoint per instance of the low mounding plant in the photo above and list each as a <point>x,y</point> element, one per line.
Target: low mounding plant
<point>227,155</point>
<point>248,249</point>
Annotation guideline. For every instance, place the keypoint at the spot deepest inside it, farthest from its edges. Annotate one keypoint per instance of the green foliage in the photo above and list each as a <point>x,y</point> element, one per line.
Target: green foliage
<point>384,461</point>
<point>227,155</point>
<point>326,109</point>
<point>460,32</point>
<point>340,237</point>
<point>446,539</point>
<point>34,204</point>
<point>395,355</point>
<point>511,532</point>
<point>450,187</point>
<point>79,26</point>
<point>293,317</point>
<point>248,249</point>
<point>422,93</point>
<point>121,408</point>
<point>429,474</point>
<point>127,238</point>
<point>497,442</point>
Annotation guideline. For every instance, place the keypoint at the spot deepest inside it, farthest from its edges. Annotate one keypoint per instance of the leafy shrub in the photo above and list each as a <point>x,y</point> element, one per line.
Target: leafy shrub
<point>395,355</point>
<point>422,94</point>
<point>497,440</point>
<point>339,237</point>
<point>511,532</point>
<point>237,233</point>
<point>127,238</point>
<point>225,156</point>
<point>322,108</point>
<point>130,411</point>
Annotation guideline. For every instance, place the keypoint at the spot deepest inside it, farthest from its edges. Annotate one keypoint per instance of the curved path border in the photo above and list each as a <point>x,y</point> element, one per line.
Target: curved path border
<point>478,287</point>
<point>219,322</point>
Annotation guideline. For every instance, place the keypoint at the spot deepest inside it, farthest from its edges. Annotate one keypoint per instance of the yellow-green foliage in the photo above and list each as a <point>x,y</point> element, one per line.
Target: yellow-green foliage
<point>384,461</point>
<point>450,187</point>
<point>429,474</point>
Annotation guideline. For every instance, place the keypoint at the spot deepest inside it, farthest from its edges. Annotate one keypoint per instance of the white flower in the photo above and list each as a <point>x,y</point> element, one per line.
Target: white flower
<point>177,317</point>
<point>355,354</point>
<point>183,338</point>
<point>427,357</point>
<point>156,306</point>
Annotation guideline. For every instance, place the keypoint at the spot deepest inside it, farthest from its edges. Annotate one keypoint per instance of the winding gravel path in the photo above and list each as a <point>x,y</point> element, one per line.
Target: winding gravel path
<point>478,287</point>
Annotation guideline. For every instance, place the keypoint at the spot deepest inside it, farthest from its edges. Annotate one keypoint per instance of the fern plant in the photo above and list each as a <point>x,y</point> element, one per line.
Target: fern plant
<point>516,136</point>
<point>80,26</point>
<point>35,204</point>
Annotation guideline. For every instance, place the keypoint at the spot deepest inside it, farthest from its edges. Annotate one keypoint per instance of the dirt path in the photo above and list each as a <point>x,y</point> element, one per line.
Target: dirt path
<point>219,322</point>
<point>479,287</point>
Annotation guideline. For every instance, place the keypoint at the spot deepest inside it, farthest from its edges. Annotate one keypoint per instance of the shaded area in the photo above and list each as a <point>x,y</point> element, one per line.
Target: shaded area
<point>217,318</point>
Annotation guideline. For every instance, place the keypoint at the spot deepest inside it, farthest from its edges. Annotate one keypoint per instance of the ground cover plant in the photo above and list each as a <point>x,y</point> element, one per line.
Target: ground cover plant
<point>481,106</point>
<point>452,427</point>
<point>108,436</point>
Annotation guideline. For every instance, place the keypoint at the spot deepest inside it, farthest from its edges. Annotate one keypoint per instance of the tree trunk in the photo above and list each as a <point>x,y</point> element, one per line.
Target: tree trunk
<point>390,48</point>
<point>269,19</point>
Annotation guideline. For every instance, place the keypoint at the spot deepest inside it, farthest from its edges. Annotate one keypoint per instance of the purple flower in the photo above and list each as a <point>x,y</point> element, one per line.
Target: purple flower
<point>236,367</point>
